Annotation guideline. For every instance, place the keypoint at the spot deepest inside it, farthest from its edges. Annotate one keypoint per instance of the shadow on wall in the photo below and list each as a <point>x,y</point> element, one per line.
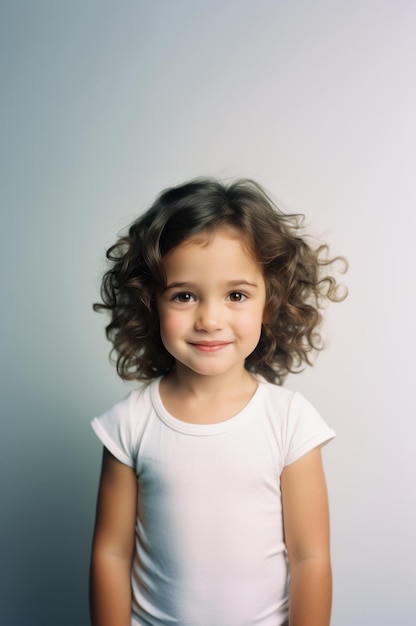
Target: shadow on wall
<point>48,517</point>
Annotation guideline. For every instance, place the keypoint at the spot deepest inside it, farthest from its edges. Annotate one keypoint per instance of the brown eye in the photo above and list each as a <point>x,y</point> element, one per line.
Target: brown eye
<point>183,297</point>
<point>237,296</point>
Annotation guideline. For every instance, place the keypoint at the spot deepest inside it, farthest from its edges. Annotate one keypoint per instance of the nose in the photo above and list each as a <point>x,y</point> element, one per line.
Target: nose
<point>210,317</point>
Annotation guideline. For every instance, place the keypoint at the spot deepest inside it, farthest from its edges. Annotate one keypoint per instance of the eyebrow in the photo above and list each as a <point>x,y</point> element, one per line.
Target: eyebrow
<point>230,285</point>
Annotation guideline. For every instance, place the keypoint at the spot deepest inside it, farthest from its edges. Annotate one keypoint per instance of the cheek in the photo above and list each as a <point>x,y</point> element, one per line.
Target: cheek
<point>251,324</point>
<point>171,325</point>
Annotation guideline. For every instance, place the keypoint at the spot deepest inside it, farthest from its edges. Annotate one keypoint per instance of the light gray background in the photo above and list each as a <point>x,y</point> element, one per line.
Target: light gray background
<point>103,104</point>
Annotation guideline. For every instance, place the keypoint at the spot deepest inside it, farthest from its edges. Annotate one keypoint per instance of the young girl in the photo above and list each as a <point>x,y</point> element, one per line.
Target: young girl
<point>212,490</point>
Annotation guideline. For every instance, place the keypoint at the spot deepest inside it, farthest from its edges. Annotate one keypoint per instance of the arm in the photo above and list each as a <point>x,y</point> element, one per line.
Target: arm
<point>110,587</point>
<point>306,524</point>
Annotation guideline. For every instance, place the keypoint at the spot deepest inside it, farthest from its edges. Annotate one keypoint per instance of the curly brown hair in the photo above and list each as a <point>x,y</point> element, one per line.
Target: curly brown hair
<point>298,284</point>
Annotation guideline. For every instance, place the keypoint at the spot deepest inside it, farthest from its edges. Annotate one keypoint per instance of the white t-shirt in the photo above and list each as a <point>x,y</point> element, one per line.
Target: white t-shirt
<point>209,535</point>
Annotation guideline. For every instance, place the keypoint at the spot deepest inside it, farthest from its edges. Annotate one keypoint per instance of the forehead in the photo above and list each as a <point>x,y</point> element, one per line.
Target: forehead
<point>222,251</point>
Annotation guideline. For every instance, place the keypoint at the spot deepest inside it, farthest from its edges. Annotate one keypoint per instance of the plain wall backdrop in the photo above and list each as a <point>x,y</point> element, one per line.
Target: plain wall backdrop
<point>103,104</point>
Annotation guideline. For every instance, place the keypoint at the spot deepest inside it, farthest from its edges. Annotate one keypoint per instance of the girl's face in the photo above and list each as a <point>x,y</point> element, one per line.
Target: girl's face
<point>212,308</point>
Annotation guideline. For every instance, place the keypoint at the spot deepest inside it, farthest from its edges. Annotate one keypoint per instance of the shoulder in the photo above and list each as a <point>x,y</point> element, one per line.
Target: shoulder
<point>139,397</point>
<point>291,403</point>
<point>120,427</point>
<point>277,399</point>
<point>295,421</point>
<point>275,391</point>
<point>126,410</point>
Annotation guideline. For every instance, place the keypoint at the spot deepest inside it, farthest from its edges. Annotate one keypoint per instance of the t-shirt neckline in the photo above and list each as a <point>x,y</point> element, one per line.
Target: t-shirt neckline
<point>203,429</point>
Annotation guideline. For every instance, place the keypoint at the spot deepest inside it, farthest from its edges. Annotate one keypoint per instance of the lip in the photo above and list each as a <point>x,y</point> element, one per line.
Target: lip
<point>209,346</point>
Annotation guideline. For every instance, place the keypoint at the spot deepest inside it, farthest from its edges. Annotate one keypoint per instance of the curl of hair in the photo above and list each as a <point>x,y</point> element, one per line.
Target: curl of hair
<point>297,277</point>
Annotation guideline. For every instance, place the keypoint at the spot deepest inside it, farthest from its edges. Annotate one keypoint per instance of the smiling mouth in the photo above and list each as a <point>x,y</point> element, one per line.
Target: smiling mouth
<point>210,346</point>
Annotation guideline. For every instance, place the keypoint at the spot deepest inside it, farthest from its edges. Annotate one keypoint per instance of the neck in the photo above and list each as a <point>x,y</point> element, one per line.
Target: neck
<point>201,399</point>
<point>187,381</point>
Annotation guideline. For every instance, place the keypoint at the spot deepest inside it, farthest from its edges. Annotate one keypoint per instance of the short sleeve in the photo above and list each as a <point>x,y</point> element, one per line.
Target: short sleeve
<point>114,430</point>
<point>305,429</point>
